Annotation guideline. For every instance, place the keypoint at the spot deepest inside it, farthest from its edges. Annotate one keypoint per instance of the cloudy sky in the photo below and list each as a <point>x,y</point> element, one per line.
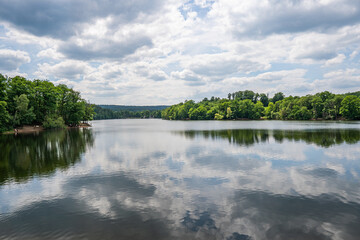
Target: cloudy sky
<point>143,52</point>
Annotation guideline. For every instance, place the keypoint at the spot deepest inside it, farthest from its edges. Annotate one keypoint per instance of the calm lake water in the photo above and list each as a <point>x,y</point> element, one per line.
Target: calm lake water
<point>155,179</point>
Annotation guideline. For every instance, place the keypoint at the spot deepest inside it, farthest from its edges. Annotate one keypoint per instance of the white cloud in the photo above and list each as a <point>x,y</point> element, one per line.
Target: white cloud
<point>336,60</point>
<point>286,81</point>
<point>342,80</point>
<point>11,60</point>
<point>68,69</point>
<point>176,50</point>
<point>261,18</point>
<point>50,53</point>
<point>354,54</point>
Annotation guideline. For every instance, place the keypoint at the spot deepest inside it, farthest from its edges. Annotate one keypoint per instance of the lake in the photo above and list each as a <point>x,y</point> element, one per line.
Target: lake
<point>156,179</point>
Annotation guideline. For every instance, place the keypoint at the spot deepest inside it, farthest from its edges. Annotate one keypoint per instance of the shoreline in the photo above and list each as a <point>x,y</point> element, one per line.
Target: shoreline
<point>25,129</point>
<point>38,128</point>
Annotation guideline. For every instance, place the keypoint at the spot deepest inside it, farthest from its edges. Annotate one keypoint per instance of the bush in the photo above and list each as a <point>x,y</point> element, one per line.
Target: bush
<point>218,116</point>
<point>54,122</point>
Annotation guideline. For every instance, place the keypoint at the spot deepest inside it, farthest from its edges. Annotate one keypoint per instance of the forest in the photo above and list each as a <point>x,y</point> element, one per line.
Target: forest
<point>109,113</point>
<point>250,105</point>
<point>40,102</point>
<point>133,108</point>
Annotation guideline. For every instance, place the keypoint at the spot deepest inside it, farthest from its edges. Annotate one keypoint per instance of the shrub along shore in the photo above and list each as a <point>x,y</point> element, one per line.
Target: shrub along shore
<point>40,104</point>
<point>249,105</point>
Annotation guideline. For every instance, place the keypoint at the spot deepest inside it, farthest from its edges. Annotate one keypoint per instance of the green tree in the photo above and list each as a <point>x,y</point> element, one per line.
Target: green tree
<point>228,113</point>
<point>278,97</point>
<point>89,112</point>
<point>183,114</point>
<point>43,98</point>
<point>54,122</point>
<point>337,104</point>
<point>302,114</point>
<point>16,87</point>
<point>325,95</point>
<point>249,95</point>
<point>269,110</point>
<point>258,111</point>
<point>23,114</point>
<point>264,99</point>
<point>210,114</point>
<point>198,113</point>
<point>317,105</point>
<point>246,109</point>
<point>350,107</point>
<point>71,107</point>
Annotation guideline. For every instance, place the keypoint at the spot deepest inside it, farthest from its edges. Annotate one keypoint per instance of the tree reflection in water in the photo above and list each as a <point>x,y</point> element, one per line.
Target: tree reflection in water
<point>27,155</point>
<point>248,137</point>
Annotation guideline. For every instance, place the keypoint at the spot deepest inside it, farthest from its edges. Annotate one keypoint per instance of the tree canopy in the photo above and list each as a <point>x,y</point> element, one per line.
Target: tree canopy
<point>250,105</point>
<point>25,102</point>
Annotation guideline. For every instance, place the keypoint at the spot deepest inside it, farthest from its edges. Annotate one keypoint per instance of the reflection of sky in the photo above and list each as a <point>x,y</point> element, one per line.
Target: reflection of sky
<point>142,175</point>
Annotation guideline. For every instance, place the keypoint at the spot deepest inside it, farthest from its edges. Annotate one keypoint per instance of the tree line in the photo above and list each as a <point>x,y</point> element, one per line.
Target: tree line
<point>40,102</point>
<point>250,105</point>
<point>134,108</point>
<point>106,113</point>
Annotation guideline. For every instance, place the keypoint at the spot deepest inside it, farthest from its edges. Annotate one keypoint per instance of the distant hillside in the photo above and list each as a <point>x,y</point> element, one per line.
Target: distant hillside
<point>122,112</point>
<point>133,108</point>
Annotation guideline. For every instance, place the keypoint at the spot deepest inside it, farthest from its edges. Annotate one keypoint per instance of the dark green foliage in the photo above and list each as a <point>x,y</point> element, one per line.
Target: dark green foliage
<point>350,107</point>
<point>250,105</point>
<point>89,112</point>
<point>3,96</point>
<point>27,156</point>
<point>242,95</point>
<point>248,137</point>
<point>44,99</point>
<point>32,102</point>
<point>53,122</point>
<point>278,97</point>
<point>4,117</point>
<point>23,114</point>
<point>15,87</point>
<point>353,93</point>
<point>264,99</point>
<point>70,106</point>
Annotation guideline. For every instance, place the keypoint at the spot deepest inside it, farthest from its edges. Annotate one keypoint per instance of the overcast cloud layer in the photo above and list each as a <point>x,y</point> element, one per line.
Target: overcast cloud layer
<point>162,52</point>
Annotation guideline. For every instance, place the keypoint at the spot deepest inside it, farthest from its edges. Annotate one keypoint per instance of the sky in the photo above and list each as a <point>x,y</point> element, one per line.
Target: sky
<point>155,52</point>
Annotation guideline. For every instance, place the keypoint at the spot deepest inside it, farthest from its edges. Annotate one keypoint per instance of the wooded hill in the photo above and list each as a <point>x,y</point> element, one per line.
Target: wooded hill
<point>134,108</point>
<point>102,112</point>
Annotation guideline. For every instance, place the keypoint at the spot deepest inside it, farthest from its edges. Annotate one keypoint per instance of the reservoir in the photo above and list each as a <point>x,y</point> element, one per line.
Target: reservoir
<point>157,179</point>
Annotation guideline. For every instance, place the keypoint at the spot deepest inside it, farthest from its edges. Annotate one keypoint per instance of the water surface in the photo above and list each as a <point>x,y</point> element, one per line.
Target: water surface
<point>154,179</point>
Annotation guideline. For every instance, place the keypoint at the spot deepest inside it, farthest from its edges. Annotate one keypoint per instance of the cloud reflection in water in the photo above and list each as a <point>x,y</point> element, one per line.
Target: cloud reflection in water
<point>147,181</point>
